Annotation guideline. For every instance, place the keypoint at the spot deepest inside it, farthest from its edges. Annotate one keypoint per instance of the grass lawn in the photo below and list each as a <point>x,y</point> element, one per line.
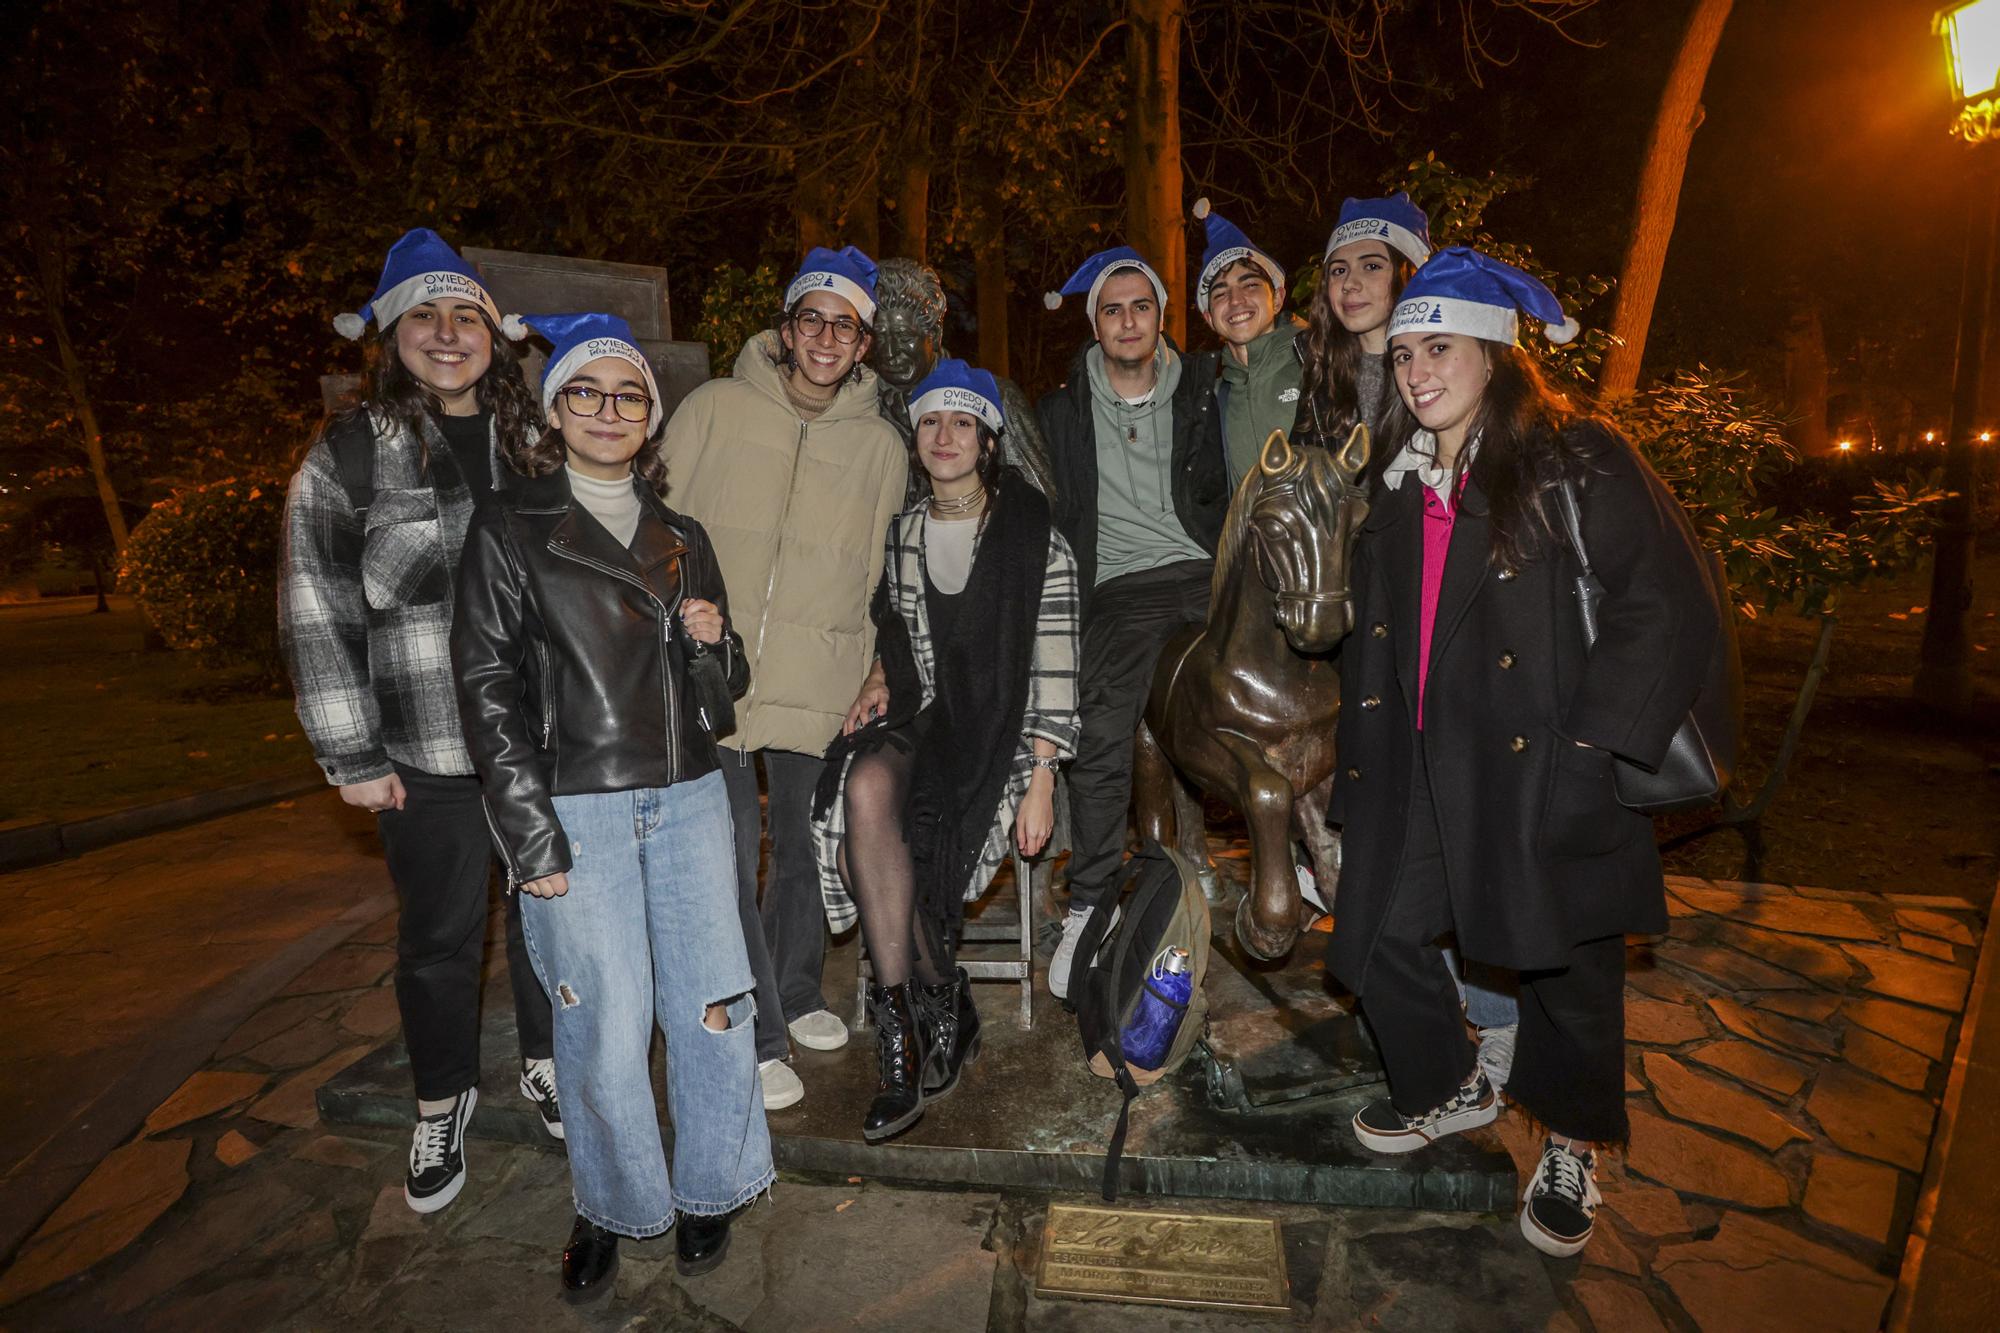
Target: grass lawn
<point>94,722</point>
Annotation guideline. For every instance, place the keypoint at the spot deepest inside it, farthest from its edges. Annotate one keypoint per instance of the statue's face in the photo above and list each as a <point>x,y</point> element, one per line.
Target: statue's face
<point>905,349</point>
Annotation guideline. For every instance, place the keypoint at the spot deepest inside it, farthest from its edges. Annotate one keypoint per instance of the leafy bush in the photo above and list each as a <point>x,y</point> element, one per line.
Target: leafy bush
<point>203,566</point>
<point>735,306</point>
<point>1725,457</point>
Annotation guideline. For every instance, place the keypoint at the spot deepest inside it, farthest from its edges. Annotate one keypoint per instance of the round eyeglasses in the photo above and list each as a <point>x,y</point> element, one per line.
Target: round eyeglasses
<point>809,322</point>
<point>584,401</point>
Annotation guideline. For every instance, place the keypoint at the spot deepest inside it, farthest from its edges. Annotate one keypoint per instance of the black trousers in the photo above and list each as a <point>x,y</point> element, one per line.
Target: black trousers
<point>440,853</point>
<point>786,935</point>
<point>1569,1056</point>
<point>1130,620</point>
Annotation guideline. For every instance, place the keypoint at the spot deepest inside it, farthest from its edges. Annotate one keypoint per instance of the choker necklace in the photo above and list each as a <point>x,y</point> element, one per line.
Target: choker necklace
<point>960,507</point>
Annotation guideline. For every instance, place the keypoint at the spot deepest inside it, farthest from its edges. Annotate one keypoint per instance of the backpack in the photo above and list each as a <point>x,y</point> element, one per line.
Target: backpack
<point>351,441</point>
<point>1162,907</point>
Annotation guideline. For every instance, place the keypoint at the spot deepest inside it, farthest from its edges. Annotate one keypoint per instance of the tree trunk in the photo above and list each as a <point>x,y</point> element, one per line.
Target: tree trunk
<point>990,288</point>
<point>861,216</point>
<point>1944,660</point>
<point>1805,382</point>
<point>1660,196</point>
<point>49,258</point>
<point>1155,224</point>
<point>813,209</point>
<point>909,193</point>
<point>97,583</point>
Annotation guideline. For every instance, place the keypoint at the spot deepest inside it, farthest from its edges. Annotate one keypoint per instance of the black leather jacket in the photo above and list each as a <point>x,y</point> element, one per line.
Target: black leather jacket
<point>569,658</point>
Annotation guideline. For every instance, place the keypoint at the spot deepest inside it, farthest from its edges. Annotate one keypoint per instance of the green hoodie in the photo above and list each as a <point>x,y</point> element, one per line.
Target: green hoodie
<point>1260,397</point>
<point>1137,526</point>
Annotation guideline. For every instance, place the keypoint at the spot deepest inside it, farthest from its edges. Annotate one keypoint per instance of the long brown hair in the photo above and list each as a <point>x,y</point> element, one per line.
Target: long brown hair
<point>1528,443</point>
<point>1329,390</point>
<point>395,393</point>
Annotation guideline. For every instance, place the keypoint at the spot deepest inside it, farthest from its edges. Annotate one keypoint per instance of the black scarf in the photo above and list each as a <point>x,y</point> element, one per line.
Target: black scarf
<point>967,738</point>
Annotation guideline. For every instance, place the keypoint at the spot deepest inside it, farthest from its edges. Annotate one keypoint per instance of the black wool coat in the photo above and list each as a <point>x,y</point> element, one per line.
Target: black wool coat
<point>1539,855</point>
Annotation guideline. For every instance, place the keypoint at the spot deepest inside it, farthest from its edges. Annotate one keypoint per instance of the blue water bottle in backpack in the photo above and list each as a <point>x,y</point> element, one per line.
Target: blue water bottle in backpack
<point>1163,1000</point>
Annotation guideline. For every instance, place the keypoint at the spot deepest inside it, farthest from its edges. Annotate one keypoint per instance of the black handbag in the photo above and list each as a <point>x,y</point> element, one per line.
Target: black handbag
<point>1701,760</point>
<point>708,686</point>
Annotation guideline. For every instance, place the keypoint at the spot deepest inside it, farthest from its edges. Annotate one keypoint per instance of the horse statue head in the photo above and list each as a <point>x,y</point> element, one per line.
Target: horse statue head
<point>1297,513</point>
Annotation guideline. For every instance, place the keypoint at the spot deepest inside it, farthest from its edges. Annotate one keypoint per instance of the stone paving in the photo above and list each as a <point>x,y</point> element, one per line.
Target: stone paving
<point>120,970</point>
<point>1787,1049</point>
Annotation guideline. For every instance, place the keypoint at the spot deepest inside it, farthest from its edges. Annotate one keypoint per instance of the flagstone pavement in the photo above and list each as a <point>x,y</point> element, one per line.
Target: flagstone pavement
<point>1787,1051</point>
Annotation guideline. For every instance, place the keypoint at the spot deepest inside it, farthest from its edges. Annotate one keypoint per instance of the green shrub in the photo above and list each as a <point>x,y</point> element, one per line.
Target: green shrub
<point>203,566</point>
<point>734,308</point>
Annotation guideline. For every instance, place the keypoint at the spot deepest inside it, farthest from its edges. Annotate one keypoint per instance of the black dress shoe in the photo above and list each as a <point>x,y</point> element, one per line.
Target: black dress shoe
<point>590,1261</point>
<point>902,1057</point>
<point>700,1243</point>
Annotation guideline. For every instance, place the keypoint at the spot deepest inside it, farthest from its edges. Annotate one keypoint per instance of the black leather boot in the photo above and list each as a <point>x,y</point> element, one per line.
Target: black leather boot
<point>700,1243</point>
<point>589,1262</point>
<point>951,1021</point>
<point>900,1051</point>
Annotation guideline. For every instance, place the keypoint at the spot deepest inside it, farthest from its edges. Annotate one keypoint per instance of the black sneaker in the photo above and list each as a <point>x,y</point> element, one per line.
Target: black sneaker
<point>437,1155</point>
<point>1380,1126</point>
<point>1561,1202</point>
<point>538,1085</point>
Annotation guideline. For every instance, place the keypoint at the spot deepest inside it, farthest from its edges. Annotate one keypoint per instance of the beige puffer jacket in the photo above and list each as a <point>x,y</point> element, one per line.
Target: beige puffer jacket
<point>797,511</point>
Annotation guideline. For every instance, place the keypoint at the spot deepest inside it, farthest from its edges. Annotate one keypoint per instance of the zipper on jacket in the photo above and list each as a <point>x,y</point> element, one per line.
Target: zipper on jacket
<point>500,844</point>
<point>771,583</point>
<point>548,696</point>
<point>666,632</point>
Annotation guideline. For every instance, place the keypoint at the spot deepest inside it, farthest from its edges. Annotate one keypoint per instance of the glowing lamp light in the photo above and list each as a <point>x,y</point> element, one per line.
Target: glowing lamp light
<point>1930,437</point>
<point>1845,446</point>
<point>1971,34</point>
<point>1986,437</point>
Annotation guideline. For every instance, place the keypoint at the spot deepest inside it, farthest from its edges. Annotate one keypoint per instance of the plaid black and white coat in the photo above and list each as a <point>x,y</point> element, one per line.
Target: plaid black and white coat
<point>365,604</point>
<point>1051,713</point>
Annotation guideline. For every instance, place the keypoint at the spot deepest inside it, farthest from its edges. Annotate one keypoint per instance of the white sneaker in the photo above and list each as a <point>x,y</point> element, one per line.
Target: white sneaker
<point>1309,890</point>
<point>820,1030</point>
<point>1496,1053</point>
<point>1065,956</point>
<point>781,1086</point>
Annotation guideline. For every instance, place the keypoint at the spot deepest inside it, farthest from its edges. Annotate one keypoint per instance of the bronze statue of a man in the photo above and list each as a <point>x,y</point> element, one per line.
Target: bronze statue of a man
<point>909,342</point>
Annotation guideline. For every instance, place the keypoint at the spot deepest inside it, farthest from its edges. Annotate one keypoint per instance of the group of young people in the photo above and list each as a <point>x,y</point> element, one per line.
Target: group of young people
<point>505,642</point>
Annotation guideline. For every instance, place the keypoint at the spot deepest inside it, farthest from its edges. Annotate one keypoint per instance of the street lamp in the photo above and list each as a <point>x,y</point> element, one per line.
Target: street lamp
<point>1971,34</point>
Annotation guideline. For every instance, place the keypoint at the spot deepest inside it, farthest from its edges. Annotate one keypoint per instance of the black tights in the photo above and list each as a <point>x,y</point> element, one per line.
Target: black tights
<point>876,868</point>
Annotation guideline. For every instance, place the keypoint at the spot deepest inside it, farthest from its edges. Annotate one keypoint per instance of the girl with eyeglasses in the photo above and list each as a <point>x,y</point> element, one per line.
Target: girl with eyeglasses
<point>374,522</point>
<point>795,473</point>
<point>586,610</point>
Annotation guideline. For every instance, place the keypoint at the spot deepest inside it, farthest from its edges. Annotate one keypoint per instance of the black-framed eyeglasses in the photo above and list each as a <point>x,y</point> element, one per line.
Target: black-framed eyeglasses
<point>809,322</point>
<point>584,401</point>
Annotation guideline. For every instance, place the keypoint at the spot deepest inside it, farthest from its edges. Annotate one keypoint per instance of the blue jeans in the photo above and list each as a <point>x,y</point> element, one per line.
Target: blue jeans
<point>1491,995</point>
<point>649,932</point>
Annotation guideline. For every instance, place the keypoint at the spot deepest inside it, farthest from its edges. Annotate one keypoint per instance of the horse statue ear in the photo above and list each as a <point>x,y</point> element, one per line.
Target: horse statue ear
<point>1281,463</point>
<point>1353,455</point>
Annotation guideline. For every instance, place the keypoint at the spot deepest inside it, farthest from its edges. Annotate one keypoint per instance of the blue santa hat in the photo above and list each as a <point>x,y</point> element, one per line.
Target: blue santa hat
<point>845,272</point>
<point>1463,291</point>
<point>1394,220</point>
<point>953,386</point>
<point>1090,276</point>
<point>420,268</point>
<point>1226,245</point>
<point>581,339</point>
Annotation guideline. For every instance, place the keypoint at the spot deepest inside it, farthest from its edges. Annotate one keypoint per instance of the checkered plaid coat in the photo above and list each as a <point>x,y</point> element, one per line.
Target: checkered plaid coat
<point>1052,700</point>
<point>364,606</point>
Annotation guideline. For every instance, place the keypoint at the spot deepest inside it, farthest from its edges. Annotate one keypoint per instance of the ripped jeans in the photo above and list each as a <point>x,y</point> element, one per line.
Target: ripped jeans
<point>649,932</point>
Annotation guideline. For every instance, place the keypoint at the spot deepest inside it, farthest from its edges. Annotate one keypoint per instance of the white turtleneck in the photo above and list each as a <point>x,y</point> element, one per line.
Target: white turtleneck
<point>613,503</point>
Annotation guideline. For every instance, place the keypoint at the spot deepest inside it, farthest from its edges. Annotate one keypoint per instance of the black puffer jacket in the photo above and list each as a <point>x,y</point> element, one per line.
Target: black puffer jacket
<point>568,652</point>
<point>1200,475</point>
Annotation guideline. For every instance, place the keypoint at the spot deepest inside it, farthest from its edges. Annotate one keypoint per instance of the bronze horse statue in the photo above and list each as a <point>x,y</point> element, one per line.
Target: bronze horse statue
<point>1245,706</point>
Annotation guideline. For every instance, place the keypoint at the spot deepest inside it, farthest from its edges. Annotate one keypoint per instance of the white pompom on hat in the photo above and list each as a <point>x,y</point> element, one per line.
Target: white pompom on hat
<point>421,267</point>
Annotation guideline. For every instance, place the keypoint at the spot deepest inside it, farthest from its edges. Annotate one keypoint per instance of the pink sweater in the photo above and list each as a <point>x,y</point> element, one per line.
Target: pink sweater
<point>1439,518</point>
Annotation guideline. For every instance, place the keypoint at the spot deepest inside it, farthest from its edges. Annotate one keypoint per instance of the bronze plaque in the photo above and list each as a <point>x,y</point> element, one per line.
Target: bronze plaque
<point>1149,1258</point>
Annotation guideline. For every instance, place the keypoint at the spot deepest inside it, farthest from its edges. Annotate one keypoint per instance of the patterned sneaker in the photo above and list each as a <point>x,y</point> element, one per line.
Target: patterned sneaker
<point>1381,1127</point>
<point>1496,1053</point>
<point>1561,1202</point>
<point>538,1085</point>
<point>437,1155</point>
